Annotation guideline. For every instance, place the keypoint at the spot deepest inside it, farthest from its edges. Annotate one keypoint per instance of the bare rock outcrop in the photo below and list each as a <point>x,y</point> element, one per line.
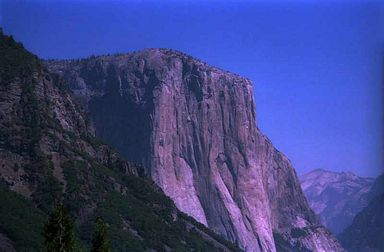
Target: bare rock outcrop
<point>194,127</point>
<point>49,154</point>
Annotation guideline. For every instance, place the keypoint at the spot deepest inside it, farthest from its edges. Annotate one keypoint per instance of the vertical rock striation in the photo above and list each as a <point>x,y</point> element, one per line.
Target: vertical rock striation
<point>194,127</point>
<point>49,154</point>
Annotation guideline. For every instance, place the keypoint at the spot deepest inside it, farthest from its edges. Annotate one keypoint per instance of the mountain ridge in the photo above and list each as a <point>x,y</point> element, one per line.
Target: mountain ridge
<point>49,154</point>
<point>336,196</point>
<point>366,232</point>
<point>236,181</point>
<point>176,52</point>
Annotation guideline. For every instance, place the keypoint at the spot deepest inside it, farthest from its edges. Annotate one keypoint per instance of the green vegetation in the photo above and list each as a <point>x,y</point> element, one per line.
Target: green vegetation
<point>59,231</point>
<point>20,220</point>
<point>100,242</point>
<point>139,218</point>
<point>15,61</point>
<point>138,215</point>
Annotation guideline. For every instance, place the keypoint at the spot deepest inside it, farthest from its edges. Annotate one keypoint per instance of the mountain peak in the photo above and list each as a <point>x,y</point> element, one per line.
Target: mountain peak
<point>336,196</point>
<point>154,58</point>
<point>49,155</point>
<point>193,126</point>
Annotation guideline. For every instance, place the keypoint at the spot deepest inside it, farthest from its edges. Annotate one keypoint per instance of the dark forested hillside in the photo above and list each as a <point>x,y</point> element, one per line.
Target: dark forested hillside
<point>193,126</point>
<point>49,154</point>
<point>366,233</point>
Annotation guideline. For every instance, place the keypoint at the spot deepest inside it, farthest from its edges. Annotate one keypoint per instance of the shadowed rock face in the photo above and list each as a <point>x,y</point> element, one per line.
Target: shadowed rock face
<point>336,197</point>
<point>366,233</point>
<point>194,128</point>
<point>48,153</point>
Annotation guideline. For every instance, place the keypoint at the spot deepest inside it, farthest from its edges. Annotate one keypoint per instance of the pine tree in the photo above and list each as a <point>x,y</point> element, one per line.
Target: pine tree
<point>100,242</point>
<point>59,231</point>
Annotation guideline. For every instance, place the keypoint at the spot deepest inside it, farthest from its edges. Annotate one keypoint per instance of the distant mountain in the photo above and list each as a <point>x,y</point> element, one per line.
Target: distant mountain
<point>367,230</point>
<point>193,126</point>
<point>336,196</point>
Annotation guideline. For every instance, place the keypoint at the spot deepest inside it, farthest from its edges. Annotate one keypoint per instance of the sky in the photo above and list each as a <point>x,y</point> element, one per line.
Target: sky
<point>317,66</point>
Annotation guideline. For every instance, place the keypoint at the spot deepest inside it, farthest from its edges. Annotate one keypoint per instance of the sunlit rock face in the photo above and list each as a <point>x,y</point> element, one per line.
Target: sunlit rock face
<point>194,127</point>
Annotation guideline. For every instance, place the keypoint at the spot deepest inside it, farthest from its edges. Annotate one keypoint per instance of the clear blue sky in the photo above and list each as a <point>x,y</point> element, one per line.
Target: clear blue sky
<point>317,66</point>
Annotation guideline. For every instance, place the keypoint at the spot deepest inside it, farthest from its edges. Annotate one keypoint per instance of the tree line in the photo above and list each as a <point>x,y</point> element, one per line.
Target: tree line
<point>59,233</point>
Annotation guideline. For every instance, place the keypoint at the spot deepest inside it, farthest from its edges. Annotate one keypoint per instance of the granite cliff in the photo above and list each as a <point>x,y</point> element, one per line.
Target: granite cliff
<point>336,196</point>
<point>49,154</point>
<point>194,128</point>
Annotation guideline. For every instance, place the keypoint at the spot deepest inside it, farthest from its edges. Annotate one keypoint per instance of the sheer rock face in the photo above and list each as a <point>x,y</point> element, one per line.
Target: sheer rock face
<point>48,153</point>
<point>35,115</point>
<point>193,126</point>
